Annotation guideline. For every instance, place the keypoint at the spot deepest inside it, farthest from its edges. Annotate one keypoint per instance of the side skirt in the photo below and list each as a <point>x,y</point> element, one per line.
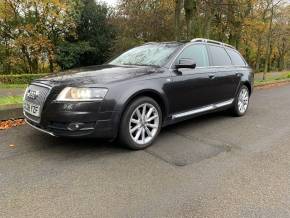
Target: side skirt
<point>203,109</point>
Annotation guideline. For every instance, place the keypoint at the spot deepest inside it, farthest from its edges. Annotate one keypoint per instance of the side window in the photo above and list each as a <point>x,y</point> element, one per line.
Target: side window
<point>197,53</point>
<point>236,58</point>
<point>219,56</point>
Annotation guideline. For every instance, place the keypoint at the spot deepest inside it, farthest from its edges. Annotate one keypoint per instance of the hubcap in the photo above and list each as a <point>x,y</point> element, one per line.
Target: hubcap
<point>243,100</point>
<point>144,123</point>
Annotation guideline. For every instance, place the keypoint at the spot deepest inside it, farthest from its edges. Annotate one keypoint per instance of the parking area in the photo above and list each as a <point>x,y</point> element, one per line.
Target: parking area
<point>211,166</point>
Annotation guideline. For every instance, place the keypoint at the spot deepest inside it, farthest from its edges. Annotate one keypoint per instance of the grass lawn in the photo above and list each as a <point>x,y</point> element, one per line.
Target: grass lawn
<point>11,100</point>
<point>12,86</point>
<point>285,77</point>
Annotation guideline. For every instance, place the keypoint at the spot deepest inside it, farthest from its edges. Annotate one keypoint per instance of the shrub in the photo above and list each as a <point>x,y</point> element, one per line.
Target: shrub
<point>20,78</point>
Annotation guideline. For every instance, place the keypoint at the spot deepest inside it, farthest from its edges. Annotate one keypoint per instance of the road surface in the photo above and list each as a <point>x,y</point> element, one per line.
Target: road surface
<point>212,166</point>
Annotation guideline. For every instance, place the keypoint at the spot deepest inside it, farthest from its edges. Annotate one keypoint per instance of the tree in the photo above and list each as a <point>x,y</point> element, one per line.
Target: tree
<point>139,21</point>
<point>95,29</point>
<point>190,9</point>
<point>178,7</point>
<point>31,28</point>
<point>93,40</point>
<point>41,35</point>
<point>282,33</point>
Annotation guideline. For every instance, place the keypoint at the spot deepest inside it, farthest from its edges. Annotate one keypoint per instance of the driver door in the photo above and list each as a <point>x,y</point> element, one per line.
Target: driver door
<point>191,88</point>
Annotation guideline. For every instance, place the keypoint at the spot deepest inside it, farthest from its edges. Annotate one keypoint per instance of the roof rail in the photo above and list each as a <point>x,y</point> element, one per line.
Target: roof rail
<point>212,41</point>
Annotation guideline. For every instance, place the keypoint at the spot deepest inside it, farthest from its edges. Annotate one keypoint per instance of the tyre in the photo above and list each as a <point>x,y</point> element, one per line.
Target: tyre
<point>241,102</point>
<point>141,123</point>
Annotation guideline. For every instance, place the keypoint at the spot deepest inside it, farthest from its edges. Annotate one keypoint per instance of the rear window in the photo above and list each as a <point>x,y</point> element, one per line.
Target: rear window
<point>219,56</point>
<point>237,60</point>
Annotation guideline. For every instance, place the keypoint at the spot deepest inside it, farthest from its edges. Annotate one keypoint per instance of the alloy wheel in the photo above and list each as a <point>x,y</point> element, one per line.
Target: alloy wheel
<point>243,100</point>
<point>144,123</point>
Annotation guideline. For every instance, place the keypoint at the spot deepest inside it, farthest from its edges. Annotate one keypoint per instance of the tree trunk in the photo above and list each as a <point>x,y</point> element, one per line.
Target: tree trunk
<point>178,6</point>
<point>188,19</point>
<point>208,19</point>
<point>258,56</point>
<point>267,59</point>
<point>50,60</point>
<point>190,9</point>
<point>28,59</point>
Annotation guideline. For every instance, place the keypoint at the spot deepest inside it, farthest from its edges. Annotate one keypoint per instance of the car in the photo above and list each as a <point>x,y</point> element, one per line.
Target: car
<point>134,95</point>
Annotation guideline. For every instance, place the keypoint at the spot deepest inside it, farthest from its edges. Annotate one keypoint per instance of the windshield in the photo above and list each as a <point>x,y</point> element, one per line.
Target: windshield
<point>150,54</point>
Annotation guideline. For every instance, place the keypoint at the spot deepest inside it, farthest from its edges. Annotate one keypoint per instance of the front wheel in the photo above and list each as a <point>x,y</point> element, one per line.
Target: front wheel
<point>241,102</point>
<point>141,123</point>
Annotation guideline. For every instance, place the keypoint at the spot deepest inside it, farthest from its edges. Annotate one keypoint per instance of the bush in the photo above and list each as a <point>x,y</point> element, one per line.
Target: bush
<point>20,78</point>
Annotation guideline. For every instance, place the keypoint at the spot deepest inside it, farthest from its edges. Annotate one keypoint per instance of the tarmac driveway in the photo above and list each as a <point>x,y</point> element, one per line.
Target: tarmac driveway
<point>212,166</point>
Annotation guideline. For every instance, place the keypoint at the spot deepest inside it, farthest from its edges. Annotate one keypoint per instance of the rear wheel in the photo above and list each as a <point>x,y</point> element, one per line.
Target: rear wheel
<point>141,123</point>
<point>241,103</point>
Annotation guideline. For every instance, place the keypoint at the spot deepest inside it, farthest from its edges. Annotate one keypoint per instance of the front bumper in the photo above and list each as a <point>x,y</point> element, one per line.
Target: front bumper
<point>97,129</point>
<point>76,120</point>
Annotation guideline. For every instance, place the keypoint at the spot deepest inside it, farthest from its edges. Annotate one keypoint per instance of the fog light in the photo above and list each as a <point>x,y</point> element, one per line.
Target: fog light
<point>74,126</point>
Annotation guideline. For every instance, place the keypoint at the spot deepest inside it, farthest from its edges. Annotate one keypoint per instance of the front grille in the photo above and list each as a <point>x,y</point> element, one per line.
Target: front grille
<point>39,99</point>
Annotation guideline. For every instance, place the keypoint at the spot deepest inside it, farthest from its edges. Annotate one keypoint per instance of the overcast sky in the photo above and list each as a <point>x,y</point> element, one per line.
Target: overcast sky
<point>110,2</point>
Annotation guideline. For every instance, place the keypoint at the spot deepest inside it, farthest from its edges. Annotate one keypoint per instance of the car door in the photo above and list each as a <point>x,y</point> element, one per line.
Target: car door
<point>226,77</point>
<point>240,65</point>
<point>190,88</point>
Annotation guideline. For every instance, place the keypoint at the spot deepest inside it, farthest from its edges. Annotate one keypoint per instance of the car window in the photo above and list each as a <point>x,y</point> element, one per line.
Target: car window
<point>237,60</point>
<point>150,54</point>
<point>197,53</point>
<point>219,56</point>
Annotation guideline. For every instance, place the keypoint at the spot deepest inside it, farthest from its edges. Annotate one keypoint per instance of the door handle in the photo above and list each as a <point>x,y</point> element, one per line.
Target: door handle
<point>211,76</point>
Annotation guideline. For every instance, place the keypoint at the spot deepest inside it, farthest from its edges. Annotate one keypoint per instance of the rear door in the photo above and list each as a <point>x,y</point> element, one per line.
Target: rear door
<point>226,76</point>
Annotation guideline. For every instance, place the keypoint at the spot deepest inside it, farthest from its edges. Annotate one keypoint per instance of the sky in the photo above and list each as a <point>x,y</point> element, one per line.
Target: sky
<point>110,2</point>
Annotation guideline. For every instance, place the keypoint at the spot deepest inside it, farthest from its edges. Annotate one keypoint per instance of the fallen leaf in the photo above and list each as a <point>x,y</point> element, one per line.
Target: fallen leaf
<point>6,124</point>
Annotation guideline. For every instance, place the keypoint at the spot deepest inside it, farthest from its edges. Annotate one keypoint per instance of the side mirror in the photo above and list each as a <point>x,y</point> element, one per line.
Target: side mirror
<point>186,63</point>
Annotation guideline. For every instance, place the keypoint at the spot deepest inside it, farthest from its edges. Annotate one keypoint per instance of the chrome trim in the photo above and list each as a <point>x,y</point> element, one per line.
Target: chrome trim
<point>40,84</point>
<point>184,114</point>
<point>88,128</point>
<point>225,103</point>
<point>26,90</point>
<point>24,113</point>
<point>79,100</point>
<point>203,109</point>
<point>199,40</point>
<point>41,130</point>
<point>212,41</point>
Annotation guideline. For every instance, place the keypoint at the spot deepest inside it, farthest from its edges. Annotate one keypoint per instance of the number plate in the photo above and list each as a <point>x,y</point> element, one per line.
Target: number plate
<point>32,109</point>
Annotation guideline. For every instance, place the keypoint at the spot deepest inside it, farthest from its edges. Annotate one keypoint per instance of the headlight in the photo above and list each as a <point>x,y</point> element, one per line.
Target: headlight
<point>82,94</point>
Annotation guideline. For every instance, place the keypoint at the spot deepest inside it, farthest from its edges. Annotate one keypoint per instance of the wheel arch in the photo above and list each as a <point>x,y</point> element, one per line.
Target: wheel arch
<point>248,85</point>
<point>161,101</point>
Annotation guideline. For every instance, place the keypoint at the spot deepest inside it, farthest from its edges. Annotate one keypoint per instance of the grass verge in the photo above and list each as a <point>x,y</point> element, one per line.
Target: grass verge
<point>12,86</point>
<point>11,100</point>
<point>283,78</point>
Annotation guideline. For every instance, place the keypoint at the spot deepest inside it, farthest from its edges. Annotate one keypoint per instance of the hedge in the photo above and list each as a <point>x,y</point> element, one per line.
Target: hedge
<point>20,78</point>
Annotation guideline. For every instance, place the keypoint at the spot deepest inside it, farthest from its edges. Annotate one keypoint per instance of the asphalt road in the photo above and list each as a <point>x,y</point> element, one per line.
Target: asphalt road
<point>212,166</point>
